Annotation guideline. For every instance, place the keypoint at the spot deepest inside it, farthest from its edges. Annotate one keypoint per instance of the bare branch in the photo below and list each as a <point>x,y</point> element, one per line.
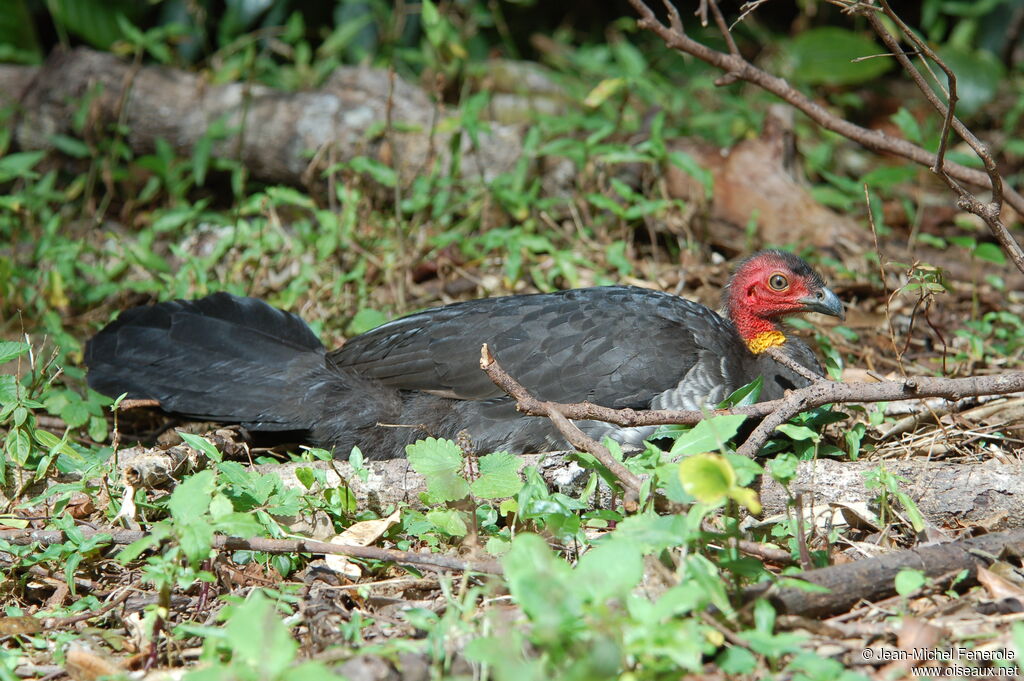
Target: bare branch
<point>872,139</point>
<point>527,403</point>
<point>782,358</point>
<point>775,412</point>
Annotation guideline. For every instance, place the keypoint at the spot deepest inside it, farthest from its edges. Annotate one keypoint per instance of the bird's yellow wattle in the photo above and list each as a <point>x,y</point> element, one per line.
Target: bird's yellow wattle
<point>764,340</point>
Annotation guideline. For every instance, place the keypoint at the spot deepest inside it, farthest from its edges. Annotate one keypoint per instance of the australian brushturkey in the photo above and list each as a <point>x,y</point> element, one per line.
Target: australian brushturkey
<point>232,359</point>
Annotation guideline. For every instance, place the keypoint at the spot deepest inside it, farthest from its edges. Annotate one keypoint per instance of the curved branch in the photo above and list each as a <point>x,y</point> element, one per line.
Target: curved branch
<point>528,404</point>
<point>738,68</point>
<point>775,412</point>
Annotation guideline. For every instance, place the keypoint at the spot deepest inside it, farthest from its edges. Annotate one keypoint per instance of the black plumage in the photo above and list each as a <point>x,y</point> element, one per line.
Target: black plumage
<point>233,359</point>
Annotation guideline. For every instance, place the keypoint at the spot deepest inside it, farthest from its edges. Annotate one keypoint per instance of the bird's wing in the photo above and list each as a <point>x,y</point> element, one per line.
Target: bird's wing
<point>618,346</point>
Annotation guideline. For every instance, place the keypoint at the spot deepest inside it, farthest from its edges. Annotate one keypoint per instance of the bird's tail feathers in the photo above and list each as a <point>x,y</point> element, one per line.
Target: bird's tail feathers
<point>221,358</point>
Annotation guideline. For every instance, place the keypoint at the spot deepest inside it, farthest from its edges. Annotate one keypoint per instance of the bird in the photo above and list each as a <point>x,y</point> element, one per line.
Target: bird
<point>233,359</point>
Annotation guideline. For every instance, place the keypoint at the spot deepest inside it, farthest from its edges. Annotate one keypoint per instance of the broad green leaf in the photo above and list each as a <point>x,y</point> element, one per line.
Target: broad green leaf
<point>365,319</point>
<point>381,173</point>
<point>783,467</point>
<point>19,165</point>
<point>908,581</point>
<point>18,446</point>
<point>18,39</point>
<point>709,435</point>
<point>796,432</point>
<point>710,479</point>
<point>707,477</point>
<point>11,349</point>
<point>990,252</point>
<point>196,539</point>
<point>259,639</point>
<point>913,513</point>
<point>499,476</point>
<point>8,389</point>
<point>542,584</point>
<point>236,524</point>
<point>824,56</point>
<point>978,76</point>
<point>744,396</point>
<point>191,499</point>
<point>907,124</point>
<point>75,414</point>
<point>610,569</point>
<point>449,520</point>
<point>440,463</point>
<point>53,443</point>
<point>95,21</point>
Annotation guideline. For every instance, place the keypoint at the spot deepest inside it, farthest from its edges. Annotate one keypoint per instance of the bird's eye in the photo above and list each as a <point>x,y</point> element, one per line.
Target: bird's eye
<point>778,282</point>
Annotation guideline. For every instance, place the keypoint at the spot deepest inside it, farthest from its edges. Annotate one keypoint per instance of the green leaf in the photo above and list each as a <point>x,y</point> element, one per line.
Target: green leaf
<point>365,319</point>
<point>824,56</point>
<point>259,639</point>
<point>499,476</point>
<point>796,432</point>
<point>709,435</point>
<point>19,165</point>
<point>610,570</point>
<point>542,584</point>
<point>305,476</point>
<point>191,499</point>
<point>196,539</point>
<point>18,446</point>
<point>783,467</point>
<point>912,511</point>
<point>990,252</point>
<point>54,443</point>
<point>887,177</point>
<point>428,10</point>
<point>449,520</point>
<point>908,581</point>
<point>8,389</point>
<point>236,524</point>
<point>11,349</point>
<point>440,463</point>
<point>157,534</point>
<point>907,124</point>
<point>978,75</point>
<point>744,396</point>
<point>707,477</point>
<point>378,171</point>
<point>75,414</point>
<point>18,38</point>
<point>602,91</point>
<point>95,21</point>
<point>201,444</point>
<point>710,478</point>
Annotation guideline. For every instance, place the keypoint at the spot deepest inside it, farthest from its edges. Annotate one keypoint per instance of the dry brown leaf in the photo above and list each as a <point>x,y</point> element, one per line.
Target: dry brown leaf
<point>998,586</point>
<point>359,534</point>
<point>81,664</point>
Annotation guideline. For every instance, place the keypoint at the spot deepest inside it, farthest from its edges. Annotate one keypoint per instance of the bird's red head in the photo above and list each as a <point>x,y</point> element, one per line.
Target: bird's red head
<point>771,285</point>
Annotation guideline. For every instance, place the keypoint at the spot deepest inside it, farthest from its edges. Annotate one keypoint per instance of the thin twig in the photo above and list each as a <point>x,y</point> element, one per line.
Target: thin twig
<point>527,403</point>
<point>872,139</point>
<point>782,358</point>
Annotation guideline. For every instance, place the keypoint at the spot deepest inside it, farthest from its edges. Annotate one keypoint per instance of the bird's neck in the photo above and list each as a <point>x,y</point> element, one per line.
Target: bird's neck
<point>757,333</point>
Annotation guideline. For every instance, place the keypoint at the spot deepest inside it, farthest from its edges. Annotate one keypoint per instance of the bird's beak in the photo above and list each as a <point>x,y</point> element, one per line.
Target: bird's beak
<point>825,302</point>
